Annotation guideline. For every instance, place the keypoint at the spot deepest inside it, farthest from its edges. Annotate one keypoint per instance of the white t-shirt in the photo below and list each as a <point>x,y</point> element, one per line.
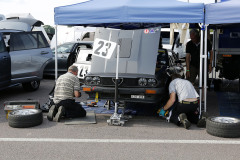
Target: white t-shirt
<point>183,88</point>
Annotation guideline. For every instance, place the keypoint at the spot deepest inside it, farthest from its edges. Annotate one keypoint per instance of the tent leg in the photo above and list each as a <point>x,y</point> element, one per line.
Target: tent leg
<point>56,55</point>
<point>200,72</point>
<point>205,69</point>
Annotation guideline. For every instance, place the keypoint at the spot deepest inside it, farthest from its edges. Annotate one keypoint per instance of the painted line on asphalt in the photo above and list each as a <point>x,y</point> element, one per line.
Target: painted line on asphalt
<point>157,141</point>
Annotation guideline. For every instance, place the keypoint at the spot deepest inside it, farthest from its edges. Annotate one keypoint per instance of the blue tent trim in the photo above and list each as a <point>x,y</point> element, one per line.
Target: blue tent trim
<point>223,12</point>
<point>108,13</point>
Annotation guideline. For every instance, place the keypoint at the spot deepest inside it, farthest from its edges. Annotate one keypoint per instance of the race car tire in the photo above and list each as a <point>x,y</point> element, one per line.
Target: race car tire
<point>227,127</point>
<point>25,118</point>
<point>31,86</point>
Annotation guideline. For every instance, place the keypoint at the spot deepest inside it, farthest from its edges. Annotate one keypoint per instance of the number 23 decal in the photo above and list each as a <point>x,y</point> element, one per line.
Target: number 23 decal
<point>106,46</point>
<point>83,70</point>
<point>103,48</point>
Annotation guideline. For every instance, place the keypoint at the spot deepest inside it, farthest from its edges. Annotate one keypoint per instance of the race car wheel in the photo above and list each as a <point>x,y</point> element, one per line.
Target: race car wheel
<point>24,118</point>
<point>31,86</point>
<point>227,127</point>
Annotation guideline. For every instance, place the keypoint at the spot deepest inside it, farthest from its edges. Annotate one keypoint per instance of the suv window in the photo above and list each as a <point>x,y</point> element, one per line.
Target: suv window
<point>42,42</point>
<point>2,45</point>
<point>27,40</point>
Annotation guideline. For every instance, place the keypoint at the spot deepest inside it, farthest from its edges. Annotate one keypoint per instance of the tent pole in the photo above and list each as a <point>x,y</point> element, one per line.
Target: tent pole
<point>214,54</point>
<point>56,60</point>
<point>205,69</point>
<point>200,72</point>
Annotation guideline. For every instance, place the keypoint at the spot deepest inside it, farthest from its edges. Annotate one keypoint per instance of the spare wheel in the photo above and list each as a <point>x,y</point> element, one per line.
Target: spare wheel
<point>228,127</point>
<point>24,118</point>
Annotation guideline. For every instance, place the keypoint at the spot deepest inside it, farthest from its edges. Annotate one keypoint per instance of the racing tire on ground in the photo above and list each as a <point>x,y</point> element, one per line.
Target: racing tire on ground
<point>227,127</point>
<point>25,118</point>
<point>31,86</point>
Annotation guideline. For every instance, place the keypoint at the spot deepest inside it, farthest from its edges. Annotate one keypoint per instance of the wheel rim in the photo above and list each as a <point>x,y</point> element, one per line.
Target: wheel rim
<point>24,112</point>
<point>225,120</point>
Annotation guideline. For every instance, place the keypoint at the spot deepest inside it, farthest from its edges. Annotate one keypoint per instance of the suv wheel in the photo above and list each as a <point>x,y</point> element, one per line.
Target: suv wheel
<point>31,86</point>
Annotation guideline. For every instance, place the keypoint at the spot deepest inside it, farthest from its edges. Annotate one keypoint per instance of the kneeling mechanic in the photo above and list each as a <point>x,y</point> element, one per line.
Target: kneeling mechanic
<point>185,108</point>
<point>67,87</point>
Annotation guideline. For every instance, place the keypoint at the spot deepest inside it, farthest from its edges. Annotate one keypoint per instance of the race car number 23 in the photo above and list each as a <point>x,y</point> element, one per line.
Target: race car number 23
<point>103,48</point>
<point>83,70</point>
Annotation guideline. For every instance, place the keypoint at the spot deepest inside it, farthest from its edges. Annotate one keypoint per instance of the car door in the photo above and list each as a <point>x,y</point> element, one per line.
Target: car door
<point>64,51</point>
<point>29,53</point>
<point>5,65</point>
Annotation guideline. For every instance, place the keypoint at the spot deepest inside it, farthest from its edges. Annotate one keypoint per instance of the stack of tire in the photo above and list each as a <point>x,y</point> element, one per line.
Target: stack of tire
<point>25,118</point>
<point>227,127</point>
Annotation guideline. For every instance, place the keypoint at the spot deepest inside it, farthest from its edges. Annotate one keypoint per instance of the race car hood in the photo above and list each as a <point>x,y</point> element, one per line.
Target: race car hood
<point>138,51</point>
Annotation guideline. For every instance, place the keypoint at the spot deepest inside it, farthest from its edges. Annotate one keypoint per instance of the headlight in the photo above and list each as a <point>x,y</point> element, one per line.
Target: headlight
<point>88,80</point>
<point>142,82</point>
<point>96,80</point>
<point>152,82</point>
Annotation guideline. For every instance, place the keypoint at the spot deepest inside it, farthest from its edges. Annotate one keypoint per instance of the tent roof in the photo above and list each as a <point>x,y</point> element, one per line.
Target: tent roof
<point>109,13</point>
<point>223,12</point>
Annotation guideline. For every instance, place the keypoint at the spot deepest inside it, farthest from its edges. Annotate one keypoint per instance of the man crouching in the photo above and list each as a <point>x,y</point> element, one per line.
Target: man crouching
<point>67,87</point>
<point>183,102</point>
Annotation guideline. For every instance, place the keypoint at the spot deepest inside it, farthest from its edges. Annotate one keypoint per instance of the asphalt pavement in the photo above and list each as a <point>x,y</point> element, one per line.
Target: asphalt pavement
<point>142,138</point>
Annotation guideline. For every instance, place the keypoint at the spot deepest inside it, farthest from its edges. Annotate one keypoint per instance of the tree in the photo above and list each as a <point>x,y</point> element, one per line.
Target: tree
<point>49,30</point>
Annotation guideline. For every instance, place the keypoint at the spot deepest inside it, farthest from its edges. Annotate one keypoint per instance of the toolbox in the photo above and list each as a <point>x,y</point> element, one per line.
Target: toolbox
<point>20,104</point>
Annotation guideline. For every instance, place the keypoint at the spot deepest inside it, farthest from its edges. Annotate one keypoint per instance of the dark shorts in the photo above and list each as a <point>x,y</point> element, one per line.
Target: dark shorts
<point>191,110</point>
<point>72,108</point>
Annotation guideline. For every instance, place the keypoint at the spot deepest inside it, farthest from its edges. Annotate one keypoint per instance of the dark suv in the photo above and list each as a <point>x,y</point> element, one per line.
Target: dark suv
<point>5,65</point>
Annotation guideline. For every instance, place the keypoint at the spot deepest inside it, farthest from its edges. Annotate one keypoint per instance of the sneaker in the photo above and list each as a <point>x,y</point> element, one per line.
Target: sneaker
<point>52,112</point>
<point>202,121</point>
<point>184,120</point>
<point>59,114</point>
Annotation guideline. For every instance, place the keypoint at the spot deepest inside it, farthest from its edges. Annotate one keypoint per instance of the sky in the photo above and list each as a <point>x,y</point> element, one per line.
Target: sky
<point>40,9</point>
<point>44,9</point>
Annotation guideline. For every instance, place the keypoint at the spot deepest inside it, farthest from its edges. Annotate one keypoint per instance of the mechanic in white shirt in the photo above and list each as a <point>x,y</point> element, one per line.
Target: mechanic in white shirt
<point>183,102</point>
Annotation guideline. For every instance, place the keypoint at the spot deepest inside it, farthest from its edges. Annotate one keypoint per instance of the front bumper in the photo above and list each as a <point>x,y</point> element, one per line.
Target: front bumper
<point>144,95</point>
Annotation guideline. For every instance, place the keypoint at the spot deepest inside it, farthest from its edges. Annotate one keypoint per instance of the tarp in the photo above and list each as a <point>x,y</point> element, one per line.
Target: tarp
<point>109,13</point>
<point>223,12</point>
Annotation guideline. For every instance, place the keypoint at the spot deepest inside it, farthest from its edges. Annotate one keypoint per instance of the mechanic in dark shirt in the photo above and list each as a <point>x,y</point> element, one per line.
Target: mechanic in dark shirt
<point>193,56</point>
